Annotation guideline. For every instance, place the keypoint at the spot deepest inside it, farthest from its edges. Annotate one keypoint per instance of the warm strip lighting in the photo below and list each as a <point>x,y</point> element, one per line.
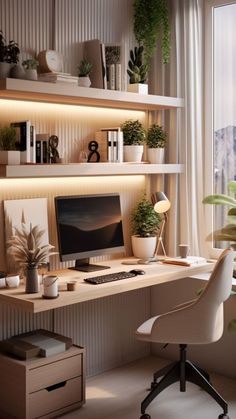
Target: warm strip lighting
<point>61,110</point>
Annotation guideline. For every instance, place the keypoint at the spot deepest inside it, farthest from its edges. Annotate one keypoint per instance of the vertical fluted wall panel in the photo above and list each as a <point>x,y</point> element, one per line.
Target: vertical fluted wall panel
<point>106,328</point>
<point>28,22</point>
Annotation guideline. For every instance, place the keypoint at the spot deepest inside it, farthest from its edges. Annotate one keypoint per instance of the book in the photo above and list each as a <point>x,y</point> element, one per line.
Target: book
<point>114,140</point>
<point>93,52</point>
<point>41,148</point>
<point>57,78</point>
<point>23,138</point>
<point>116,54</point>
<point>189,261</point>
<point>32,144</point>
<point>111,77</point>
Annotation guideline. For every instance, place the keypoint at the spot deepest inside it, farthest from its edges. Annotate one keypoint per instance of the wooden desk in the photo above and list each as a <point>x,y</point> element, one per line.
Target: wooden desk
<point>156,273</point>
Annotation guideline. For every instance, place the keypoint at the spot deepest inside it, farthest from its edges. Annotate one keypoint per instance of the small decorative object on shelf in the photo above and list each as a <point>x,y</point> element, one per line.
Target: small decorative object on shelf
<point>84,71</point>
<point>30,67</point>
<point>156,141</point>
<point>134,137</point>
<point>53,144</point>
<point>137,72</point>
<point>28,252</point>
<point>94,155</point>
<point>9,152</point>
<point>145,225</point>
<point>9,54</point>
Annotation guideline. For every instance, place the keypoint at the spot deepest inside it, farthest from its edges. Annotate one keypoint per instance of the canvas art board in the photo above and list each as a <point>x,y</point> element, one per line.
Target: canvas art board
<point>30,211</point>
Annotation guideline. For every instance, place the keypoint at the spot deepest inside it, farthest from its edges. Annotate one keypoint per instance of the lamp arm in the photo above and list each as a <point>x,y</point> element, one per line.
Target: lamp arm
<point>159,239</point>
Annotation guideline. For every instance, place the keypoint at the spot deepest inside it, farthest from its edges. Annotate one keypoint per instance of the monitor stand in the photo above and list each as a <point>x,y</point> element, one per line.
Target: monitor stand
<point>84,266</point>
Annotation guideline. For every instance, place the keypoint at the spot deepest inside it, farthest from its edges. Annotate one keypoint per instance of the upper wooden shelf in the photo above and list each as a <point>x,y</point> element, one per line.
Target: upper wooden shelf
<point>87,169</point>
<point>70,94</point>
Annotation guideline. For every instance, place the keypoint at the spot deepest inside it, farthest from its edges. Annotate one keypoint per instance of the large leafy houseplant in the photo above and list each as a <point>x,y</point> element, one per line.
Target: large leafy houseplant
<point>151,20</point>
<point>228,232</point>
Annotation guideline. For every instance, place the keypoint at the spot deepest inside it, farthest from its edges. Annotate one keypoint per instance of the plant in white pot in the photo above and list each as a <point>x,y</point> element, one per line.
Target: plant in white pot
<point>137,72</point>
<point>134,137</point>
<point>30,67</point>
<point>84,69</point>
<point>156,141</point>
<point>26,248</point>
<point>145,226</point>
<point>4,65</point>
<point>9,151</point>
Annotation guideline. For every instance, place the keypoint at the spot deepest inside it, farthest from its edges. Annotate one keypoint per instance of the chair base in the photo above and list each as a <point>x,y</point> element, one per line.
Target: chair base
<point>181,372</point>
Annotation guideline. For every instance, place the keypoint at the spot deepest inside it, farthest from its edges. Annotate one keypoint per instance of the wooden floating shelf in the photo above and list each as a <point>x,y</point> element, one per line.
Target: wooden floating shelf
<point>70,94</point>
<point>87,169</point>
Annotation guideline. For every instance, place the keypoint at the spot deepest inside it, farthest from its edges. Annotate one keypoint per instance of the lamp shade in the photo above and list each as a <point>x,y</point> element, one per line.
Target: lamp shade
<point>161,202</point>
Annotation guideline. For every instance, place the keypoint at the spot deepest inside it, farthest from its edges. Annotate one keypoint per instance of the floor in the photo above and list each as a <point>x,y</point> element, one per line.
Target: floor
<point>117,395</point>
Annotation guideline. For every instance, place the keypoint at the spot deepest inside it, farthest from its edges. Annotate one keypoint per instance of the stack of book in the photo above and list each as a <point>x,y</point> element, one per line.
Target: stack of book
<point>57,78</point>
<point>110,144</point>
<point>113,67</point>
<point>25,141</point>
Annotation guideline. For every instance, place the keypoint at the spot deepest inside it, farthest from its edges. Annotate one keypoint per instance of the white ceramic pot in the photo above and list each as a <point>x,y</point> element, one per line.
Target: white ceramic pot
<point>31,74</point>
<point>133,153</point>
<point>13,281</point>
<point>140,88</point>
<point>9,157</point>
<point>5,69</point>
<point>50,286</point>
<point>156,155</point>
<point>143,247</point>
<point>84,81</point>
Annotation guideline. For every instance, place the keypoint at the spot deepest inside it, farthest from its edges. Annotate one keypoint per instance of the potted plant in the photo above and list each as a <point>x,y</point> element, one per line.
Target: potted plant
<point>30,65</point>
<point>134,137</point>
<point>13,51</point>
<point>145,224</point>
<point>9,151</point>
<point>26,248</point>
<point>4,65</point>
<point>137,71</point>
<point>84,71</point>
<point>156,142</point>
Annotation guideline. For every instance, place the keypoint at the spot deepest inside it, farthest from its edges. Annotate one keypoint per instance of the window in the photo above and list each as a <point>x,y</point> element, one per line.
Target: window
<point>220,113</point>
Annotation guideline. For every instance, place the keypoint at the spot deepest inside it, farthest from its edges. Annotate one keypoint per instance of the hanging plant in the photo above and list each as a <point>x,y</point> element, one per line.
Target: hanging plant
<point>151,20</point>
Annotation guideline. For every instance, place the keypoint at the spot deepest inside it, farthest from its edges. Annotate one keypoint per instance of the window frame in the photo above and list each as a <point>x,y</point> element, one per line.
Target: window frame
<point>209,114</point>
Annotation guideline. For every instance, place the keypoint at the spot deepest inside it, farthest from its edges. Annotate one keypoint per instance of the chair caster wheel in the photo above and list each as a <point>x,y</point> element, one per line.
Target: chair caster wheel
<point>223,416</point>
<point>145,416</point>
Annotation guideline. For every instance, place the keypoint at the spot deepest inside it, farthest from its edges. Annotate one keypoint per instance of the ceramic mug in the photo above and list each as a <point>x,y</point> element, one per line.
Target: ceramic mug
<point>183,250</point>
<point>13,281</point>
<point>50,286</point>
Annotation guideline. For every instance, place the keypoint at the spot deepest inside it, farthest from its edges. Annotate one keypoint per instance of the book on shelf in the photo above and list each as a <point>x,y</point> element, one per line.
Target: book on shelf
<point>32,144</point>
<point>23,139</point>
<point>58,78</point>
<point>110,144</point>
<point>42,148</point>
<point>116,66</point>
<point>94,51</point>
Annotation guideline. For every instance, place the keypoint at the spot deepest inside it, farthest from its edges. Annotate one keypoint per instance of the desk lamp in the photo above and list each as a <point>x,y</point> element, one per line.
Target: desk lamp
<point>161,205</point>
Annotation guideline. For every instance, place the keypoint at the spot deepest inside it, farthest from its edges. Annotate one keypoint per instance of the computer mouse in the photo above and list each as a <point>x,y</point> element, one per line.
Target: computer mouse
<point>137,271</point>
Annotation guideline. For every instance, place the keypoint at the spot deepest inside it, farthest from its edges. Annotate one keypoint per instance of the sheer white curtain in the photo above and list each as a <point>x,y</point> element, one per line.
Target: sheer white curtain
<point>186,223</point>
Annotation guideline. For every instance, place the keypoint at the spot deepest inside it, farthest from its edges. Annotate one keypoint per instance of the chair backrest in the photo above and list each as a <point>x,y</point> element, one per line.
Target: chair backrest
<point>220,282</point>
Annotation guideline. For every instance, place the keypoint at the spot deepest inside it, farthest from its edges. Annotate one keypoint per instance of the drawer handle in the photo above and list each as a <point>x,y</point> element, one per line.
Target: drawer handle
<point>56,386</point>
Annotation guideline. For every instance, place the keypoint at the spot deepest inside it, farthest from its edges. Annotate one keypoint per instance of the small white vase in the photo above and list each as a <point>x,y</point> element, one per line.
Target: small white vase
<point>143,247</point>
<point>133,153</point>
<point>84,81</point>
<point>5,69</point>
<point>9,157</point>
<point>155,155</point>
<point>31,74</point>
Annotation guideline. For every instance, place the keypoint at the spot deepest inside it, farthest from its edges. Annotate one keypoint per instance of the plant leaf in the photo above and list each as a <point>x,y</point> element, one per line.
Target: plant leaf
<point>219,199</point>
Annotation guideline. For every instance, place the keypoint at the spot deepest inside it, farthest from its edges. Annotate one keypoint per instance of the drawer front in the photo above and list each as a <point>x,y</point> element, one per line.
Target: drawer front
<point>54,398</point>
<point>53,373</point>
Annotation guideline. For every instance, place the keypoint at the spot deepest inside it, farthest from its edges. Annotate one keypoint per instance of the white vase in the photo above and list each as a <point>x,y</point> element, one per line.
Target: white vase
<point>143,247</point>
<point>5,69</point>
<point>9,157</point>
<point>140,88</point>
<point>155,155</point>
<point>31,74</point>
<point>133,153</point>
<point>84,81</point>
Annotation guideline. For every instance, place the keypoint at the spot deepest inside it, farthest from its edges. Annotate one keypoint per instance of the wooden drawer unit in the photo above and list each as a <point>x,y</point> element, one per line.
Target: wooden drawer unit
<point>42,387</point>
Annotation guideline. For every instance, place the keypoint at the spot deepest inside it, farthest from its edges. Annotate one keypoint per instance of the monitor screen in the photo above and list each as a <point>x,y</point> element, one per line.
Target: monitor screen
<point>88,225</point>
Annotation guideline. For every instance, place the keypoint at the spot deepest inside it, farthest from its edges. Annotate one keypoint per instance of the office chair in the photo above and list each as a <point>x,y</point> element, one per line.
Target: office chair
<point>196,322</point>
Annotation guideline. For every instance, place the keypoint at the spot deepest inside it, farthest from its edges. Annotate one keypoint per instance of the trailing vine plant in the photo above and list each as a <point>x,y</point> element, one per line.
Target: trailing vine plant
<point>151,20</point>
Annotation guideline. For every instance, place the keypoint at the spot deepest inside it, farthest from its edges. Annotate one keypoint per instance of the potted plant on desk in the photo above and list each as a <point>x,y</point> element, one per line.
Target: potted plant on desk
<point>145,226</point>
<point>134,137</point>
<point>26,248</point>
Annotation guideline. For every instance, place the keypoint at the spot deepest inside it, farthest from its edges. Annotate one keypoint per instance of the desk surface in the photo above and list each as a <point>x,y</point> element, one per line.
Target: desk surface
<point>157,273</point>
